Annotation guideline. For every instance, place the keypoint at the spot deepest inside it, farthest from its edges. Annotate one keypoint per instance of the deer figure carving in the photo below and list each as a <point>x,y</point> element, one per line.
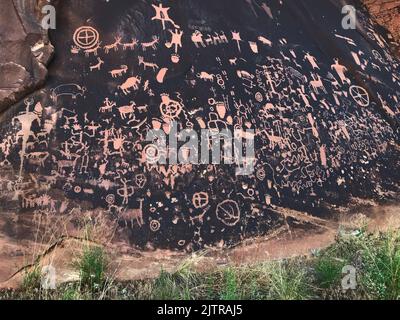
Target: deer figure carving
<point>97,66</point>
<point>119,72</point>
<point>130,45</point>
<point>93,51</point>
<point>112,46</point>
<point>152,44</point>
<point>147,64</point>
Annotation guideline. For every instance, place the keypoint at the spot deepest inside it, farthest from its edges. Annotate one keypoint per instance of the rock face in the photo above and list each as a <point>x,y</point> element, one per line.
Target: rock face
<point>318,104</point>
<point>25,50</point>
<point>386,13</point>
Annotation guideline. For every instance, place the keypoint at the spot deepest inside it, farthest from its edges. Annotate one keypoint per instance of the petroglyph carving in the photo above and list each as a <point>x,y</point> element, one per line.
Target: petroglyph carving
<point>130,83</point>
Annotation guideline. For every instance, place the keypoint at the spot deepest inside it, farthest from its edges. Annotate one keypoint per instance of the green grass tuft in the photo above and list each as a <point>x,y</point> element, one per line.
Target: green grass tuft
<point>92,266</point>
<point>328,271</point>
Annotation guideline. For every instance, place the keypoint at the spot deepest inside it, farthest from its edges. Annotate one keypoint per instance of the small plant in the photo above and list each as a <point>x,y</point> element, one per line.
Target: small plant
<point>381,267</point>
<point>71,292</point>
<point>166,287</point>
<point>32,279</point>
<point>230,288</point>
<point>328,271</point>
<point>288,281</point>
<point>92,267</point>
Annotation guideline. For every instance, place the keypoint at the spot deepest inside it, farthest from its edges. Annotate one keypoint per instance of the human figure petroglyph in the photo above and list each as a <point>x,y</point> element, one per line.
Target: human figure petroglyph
<point>176,40</point>
<point>93,127</point>
<point>147,64</point>
<point>130,83</point>
<point>340,70</point>
<point>312,60</point>
<point>125,191</point>
<point>236,37</point>
<point>108,106</point>
<point>27,119</point>
<point>5,148</point>
<point>152,44</point>
<point>71,119</point>
<point>65,152</point>
<point>85,159</point>
<point>114,46</point>
<point>118,141</point>
<point>163,15</point>
<point>269,81</point>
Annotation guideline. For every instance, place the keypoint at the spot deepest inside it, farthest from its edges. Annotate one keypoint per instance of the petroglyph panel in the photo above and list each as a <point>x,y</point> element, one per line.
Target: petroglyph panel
<point>323,104</point>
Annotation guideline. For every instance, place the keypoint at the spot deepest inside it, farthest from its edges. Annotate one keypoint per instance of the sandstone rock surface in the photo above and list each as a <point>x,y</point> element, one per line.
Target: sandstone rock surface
<point>386,13</point>
<point>323,102</point>
<point>25,49</point>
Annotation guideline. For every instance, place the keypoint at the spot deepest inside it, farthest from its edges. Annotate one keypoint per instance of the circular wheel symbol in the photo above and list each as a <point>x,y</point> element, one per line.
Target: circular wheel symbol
<point>86,37</point>
<point>378,56</point>
<point>110,199</point>
<point>261,174</point>
<point>154,225</point>
<point>152,153</point>
<point>200,200</point>
<point>360,95</point>
<point>171,111</point>
<point>228,213</point>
